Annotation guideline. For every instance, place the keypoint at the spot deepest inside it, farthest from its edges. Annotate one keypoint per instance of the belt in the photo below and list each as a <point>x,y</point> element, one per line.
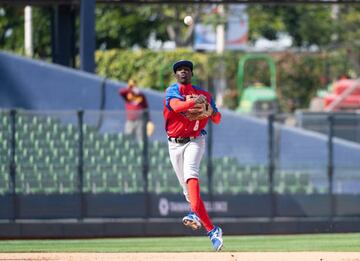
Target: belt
<point>181,140</point>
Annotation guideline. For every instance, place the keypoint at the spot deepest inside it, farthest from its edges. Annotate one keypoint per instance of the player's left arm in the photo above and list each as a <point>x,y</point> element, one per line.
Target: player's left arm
<point>123,93</point>
<point>216,115</point>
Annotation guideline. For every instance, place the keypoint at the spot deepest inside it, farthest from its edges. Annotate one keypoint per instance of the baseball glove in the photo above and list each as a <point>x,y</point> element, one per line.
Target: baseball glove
<point>201,110</point>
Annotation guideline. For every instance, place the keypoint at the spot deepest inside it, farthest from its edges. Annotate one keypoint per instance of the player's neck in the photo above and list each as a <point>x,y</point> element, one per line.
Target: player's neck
<point>185,84</point>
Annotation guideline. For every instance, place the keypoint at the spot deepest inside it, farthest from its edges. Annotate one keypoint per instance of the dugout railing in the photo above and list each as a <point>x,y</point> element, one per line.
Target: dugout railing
<point>80,164</point>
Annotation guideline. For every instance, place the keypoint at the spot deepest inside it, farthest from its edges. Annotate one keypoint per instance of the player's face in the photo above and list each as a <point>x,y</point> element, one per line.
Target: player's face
<point>183,75</point>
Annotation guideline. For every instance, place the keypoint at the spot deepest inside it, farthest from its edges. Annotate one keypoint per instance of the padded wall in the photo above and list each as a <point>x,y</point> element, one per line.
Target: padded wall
<point>37,85</point>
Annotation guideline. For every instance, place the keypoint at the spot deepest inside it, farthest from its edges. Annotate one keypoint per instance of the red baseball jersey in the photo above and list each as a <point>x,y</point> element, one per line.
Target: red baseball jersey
<point>176,124</point>
<point>135,103</point>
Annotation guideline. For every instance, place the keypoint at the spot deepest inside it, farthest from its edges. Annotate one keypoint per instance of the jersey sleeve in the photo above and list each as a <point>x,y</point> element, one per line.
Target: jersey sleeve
<point>123,92</point>
<point>216,117</point>
<point>181,106</point>
<point>172,92</point>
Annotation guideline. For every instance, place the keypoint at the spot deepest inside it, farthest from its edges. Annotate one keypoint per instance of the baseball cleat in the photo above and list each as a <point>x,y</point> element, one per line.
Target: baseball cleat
<point>215,236</point>
<point>192,221</point>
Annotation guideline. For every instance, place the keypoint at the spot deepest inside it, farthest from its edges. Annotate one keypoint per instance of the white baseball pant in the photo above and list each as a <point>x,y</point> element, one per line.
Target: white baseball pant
<point>186,159</point>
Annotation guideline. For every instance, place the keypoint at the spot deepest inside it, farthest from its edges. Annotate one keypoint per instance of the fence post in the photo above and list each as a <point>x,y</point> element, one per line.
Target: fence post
<point>209,160</point>
<point>271,163</point>
<point>209,165</point>
<point>13,163</point>
<point>80,115</point>
<point>330,164</point>
<point>145,161</point>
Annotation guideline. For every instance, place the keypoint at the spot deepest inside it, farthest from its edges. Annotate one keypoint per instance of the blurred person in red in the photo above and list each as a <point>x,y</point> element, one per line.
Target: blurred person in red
<point>137,110</point>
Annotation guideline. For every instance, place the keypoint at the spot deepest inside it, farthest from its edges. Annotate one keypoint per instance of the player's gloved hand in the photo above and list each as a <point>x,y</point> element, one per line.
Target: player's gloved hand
<point>208,110</point>
<point>200,99</point>
<point>201,110</point>
<point>196,112</point>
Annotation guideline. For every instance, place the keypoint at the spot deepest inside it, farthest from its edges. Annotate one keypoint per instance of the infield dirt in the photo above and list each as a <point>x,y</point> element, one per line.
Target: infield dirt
<point>223,256</point>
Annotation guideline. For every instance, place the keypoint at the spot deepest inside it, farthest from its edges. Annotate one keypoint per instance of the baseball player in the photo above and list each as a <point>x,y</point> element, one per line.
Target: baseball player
<point>187,110</point>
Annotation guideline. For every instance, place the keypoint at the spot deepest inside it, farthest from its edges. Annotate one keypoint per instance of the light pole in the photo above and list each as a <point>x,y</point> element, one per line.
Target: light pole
<point>28,32</point>
<point>220,47</point>
<point>220,32</point>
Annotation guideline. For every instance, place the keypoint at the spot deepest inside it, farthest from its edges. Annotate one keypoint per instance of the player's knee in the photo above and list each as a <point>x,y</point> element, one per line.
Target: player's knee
<point>191,175</point>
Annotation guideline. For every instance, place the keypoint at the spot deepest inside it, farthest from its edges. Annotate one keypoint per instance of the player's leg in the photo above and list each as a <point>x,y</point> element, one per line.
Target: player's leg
<point>192,159</point>
<point>176,152</point>
<point>176,158</point>
<point>139,129</point>
<point>197,204</point>
<point>129,128</point>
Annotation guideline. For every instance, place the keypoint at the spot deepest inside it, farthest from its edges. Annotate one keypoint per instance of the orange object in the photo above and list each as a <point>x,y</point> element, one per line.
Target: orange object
<point>352,101</point>
<point>341,85</point>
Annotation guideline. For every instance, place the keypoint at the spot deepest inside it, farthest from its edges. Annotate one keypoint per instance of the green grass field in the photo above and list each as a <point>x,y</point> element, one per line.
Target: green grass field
<point>279,243</point>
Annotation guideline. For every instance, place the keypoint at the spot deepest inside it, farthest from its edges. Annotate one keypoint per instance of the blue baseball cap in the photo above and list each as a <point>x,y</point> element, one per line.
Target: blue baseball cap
<point>182,63</point>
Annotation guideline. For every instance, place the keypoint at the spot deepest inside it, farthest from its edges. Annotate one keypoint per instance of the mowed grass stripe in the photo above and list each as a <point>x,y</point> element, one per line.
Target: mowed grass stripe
<point>275,243</point>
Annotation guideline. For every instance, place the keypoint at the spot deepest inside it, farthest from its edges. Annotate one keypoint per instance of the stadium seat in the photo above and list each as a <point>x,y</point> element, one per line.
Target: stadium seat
<point>247,182</point>
<point>262,182</point>
<point>113,163</point>
<point>132,179</point>
<point>173,186</point>
<point>221,182</point>
<point>113,181</point>
<point>4,179</point>
<point>48,182</point>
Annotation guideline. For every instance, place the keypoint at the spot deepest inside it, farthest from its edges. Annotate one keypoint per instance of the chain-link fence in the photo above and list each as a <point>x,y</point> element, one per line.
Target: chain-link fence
<point>88,153</point>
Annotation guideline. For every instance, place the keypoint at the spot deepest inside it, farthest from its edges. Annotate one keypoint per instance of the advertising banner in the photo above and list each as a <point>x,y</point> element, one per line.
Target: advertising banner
<point>171,205</point>
<point>236,31</point>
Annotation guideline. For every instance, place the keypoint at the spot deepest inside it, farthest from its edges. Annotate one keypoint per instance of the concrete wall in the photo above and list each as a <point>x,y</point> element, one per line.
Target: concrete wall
<point>37,85</point>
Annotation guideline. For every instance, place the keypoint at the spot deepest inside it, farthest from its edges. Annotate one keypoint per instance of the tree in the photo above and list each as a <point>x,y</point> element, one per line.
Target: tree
<point>128,25</point>
<point>308,25</point>
<point>171,16</point>
<point>12,30</point>
<point>123,26</point>
<point>348,34</point>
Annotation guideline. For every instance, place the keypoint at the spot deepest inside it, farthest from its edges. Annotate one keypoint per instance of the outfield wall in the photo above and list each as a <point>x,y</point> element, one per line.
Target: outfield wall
<point>120,216</point>
<point>37,85</point>
<point>105,228</point>
<point>40,87</point>
<point>140,205</point>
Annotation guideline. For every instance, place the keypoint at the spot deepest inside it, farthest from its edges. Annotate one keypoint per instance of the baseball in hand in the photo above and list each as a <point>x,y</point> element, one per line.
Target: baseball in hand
<point>188,20</point>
